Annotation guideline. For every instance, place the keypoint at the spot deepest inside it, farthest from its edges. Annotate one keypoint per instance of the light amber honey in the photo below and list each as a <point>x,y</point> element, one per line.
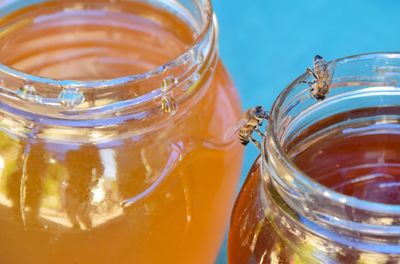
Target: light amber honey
<point>159,197</point>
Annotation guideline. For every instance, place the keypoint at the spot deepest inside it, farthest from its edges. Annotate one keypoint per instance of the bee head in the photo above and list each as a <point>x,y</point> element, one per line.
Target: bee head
<point>320,97</point>
<point>317,57</point>
<point>259,113</point>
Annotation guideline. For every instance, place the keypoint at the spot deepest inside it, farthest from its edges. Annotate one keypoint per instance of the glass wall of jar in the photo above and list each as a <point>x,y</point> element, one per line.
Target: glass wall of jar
<point>112,148</point>
<point>326,186</point>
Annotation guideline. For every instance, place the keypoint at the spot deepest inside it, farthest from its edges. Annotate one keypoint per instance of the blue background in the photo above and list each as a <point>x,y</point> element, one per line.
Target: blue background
<point>265,44</point>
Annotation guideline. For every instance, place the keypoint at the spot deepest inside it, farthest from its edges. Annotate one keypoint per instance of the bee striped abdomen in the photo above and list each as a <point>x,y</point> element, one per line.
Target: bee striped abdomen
<point>253,120</point>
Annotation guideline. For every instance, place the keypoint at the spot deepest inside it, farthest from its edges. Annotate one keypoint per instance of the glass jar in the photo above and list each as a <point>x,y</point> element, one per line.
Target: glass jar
<point>325,188</point>
<point>112,124</point>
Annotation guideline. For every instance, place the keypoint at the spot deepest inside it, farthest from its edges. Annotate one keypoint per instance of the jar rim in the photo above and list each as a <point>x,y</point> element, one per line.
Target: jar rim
<point>175,61</point>
<point>271,143</point>
<point>170,84</point>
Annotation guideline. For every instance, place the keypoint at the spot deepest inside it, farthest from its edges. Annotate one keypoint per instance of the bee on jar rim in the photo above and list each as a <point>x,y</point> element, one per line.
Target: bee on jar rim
<point>322,73</point>
<point>252,120</point>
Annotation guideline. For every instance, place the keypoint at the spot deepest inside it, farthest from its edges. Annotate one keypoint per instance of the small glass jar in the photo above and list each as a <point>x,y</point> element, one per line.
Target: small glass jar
<point>113,120</point>
<point>326,186</point>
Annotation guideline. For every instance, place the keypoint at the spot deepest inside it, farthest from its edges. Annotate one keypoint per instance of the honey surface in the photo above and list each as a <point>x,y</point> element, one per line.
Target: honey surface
<point>91,41</point>
<point>361,161</point>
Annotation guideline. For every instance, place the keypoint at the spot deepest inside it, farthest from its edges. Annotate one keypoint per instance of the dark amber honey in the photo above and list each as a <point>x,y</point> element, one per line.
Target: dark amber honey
<point>361,161</point>
<point>364,166</point>
<point>356,153</point>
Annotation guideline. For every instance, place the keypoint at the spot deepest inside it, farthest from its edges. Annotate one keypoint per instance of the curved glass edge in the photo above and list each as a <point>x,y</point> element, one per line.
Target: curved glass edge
<point>198,56</point>
<point>302,193</point>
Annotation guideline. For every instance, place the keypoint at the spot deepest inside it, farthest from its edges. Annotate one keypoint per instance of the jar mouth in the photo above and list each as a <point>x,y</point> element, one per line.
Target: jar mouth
<point>195,56</point>
<point>297,188</point>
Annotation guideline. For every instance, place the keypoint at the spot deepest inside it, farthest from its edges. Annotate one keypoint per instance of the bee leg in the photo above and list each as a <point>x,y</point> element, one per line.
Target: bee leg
<point>259,132</point>
<point>309,83</point>
<point>310,71</point>
<point>255,142</point>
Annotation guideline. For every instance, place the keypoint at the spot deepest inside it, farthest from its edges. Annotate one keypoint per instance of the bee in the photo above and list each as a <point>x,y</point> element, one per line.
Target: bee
<point>252,120</point>
<point>322,74</point>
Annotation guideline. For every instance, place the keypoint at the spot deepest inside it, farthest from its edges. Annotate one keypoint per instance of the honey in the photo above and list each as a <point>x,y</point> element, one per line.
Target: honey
<point>362,162</point>
<point>68,40</point>
<point>122,190</point>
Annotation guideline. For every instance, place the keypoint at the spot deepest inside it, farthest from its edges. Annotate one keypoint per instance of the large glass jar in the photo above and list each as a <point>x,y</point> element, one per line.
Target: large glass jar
<point>113,120</point>
<point>325,188</point>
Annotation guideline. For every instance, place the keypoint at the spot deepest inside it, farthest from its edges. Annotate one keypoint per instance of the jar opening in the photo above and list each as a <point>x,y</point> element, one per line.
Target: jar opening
<point>92,41</point>
<point>83,44</point>
<point>335,161</point>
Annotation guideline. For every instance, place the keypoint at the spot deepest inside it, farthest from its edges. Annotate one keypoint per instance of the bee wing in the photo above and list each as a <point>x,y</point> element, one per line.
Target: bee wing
<point>330,71</point>
<point>234,129</point>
